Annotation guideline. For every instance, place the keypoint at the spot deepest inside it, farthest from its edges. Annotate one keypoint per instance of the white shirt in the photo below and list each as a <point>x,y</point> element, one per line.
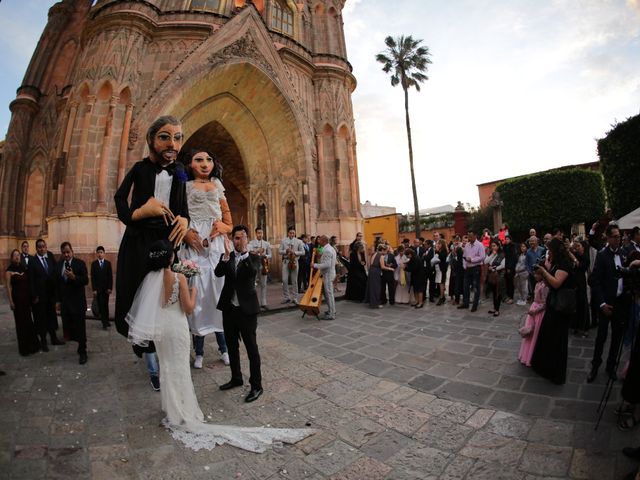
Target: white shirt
<point>237,258</point>
<point>618,262</point>
<point>162,189</point>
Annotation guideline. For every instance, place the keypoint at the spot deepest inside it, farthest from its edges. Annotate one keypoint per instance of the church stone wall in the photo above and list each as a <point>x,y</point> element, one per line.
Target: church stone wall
<point>102,73</point>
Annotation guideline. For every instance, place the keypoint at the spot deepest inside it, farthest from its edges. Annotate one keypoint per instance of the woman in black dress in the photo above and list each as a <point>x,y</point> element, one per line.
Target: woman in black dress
<point>17,283</point>
<point>582,318</point>
<point>416,267</point>
<point>550,354</point>
<point>374,282</point>
<point>357,276</point>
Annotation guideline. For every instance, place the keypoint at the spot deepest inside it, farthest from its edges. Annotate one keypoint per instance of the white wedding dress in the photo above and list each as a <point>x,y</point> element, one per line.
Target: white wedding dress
<point>185,420</point>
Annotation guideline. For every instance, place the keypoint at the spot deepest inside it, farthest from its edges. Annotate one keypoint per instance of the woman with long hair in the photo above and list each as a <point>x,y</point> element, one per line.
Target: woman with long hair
<point>158,314</point>
<point>415,266</point>
<point>439,263</point>
<point>550,354</point>
<point>210,218</point>
<point>16,280</point>
<point>495,265</point>
<point>357,276</point>
<point>580,256</point>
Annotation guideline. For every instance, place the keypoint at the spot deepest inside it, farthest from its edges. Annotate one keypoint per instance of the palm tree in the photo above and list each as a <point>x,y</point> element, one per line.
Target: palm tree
<point>406,60</point>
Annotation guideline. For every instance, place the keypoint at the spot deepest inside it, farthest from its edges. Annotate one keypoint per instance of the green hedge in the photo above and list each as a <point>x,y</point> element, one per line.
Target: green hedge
<point>554,198</point>
<point>619,154</point>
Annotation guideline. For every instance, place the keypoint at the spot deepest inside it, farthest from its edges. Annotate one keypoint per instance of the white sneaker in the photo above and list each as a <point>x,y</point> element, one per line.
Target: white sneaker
<point>225,358</point>
<point>521,302</point>
<point>198,362</point>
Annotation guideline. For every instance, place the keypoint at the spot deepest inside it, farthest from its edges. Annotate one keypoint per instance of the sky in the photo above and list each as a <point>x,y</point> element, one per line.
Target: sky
<point>515,87</point>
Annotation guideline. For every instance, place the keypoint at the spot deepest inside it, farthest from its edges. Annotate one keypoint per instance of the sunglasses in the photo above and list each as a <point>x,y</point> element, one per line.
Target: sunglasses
<point>165,137</point>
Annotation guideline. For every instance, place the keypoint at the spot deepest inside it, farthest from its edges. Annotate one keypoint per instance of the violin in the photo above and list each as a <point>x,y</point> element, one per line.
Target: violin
<point>265,265</point>
<point>293,260</point>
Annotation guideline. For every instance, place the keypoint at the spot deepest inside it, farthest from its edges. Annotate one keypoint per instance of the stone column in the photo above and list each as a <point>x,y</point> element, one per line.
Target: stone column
<point>322,208</point>
<point>82,151</point>
<point>124,141</point>
<point>336,142</point>
<point>496,204</point>
<point>353,175</point>
<point>103,174</point>
<point>460,220</point>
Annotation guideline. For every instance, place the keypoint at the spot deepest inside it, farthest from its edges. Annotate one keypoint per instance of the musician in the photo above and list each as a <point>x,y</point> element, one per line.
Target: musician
<point>327,266</point>
<point>261,248</point>
<point>291,249</point>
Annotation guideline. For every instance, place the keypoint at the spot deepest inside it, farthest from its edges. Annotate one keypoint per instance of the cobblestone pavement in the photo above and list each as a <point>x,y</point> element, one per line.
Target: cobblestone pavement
<point>394,393</point>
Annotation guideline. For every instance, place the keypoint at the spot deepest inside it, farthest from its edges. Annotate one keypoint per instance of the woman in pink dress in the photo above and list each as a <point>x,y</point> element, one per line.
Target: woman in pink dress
<point>529,331</point>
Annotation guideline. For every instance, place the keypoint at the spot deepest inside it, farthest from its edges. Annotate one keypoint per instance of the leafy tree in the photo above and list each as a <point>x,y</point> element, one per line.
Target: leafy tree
<point>406,61</point>
<point>619,153</point>
<point>556,198</point>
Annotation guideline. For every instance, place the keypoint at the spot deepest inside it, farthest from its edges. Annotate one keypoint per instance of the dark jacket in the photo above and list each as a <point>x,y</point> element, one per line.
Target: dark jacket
<point>71,292</point>
<point>142,178</point>
<point>427,257</point>
<point>241,280</point>
<point>101,278</point>
<point>510,257</point>
<point>603,280</point>
<point>42,283</point>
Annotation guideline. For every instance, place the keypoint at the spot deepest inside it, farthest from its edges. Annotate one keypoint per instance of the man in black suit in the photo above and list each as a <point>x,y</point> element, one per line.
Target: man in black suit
<point>239,304</point>
<point>304,265</point>
<point>388,282</point>
<point>42,284</point>
<point>72,277</point>
<point>24,255</point>
<point>102,284</point>
<point>431,272</point>
<point>607,291</point>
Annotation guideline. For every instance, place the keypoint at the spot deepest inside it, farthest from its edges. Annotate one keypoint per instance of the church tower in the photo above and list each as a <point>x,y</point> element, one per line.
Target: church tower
<point>264,84</point>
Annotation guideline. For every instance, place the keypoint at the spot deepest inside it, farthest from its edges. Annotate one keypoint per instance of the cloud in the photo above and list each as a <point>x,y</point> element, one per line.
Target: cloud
<point>634,5</point>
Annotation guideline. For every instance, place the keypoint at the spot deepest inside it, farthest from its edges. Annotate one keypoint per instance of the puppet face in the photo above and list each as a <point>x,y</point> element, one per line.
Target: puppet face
<point>202,165</point>
<point>166,144</point>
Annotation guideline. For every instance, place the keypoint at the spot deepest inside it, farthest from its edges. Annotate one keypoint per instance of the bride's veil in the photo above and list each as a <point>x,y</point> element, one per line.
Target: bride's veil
<point>143,317</point>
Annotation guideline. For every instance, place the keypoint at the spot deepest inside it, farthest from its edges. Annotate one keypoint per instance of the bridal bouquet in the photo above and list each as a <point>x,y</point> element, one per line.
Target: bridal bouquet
<point>187,268</point>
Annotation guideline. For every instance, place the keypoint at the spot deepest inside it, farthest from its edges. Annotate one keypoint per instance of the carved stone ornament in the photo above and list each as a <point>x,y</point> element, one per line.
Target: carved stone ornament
<point>495,200</point>
<point>133,137</point>
<point>244,47</point>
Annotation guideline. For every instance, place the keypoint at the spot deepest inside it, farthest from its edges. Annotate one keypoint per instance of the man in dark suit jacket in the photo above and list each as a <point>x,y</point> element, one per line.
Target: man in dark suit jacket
<point>239,304</point>
<point>43,294</point>
<point>71,275</point>
<point>431,272</point>
<point>388,283</point>
<point>607,291</point>
<point>25,258</point>
<point>102,284</point>
<point>304,265</point>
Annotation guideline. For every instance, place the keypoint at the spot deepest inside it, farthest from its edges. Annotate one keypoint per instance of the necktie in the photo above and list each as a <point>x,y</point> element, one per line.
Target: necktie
<point>101,262</point>
<point>44,264</point>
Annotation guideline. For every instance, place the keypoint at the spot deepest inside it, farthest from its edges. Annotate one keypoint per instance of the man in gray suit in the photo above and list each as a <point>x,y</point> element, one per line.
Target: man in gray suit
<point>327,266</point>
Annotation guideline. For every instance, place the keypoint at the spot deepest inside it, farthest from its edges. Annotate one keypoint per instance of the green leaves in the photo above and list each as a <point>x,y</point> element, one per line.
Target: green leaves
<point>406,60</point>
<point>553,198</point>
<point>619,154</point>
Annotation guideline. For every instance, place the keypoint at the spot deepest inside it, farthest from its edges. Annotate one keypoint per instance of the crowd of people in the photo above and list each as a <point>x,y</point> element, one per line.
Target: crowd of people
<point>175,210</point>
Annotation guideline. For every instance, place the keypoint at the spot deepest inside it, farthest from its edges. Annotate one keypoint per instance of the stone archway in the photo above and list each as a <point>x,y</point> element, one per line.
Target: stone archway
<point>213,138</point>
<point>240,112</point>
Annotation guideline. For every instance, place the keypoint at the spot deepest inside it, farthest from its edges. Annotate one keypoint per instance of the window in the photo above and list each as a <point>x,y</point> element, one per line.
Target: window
<point>206,5</point>
<point>281,18</point>
<point>291,213</point>
<point>261,218</point>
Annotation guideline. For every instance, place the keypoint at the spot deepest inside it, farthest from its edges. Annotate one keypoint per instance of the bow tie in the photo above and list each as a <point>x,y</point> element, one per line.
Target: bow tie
<point>170,169</point>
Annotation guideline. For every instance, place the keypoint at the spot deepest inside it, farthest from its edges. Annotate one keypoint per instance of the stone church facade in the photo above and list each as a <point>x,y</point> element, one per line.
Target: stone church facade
<point>264,84</point>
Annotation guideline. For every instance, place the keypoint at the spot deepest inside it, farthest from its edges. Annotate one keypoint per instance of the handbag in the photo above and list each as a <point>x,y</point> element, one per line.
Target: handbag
<point>492,278</point>
<point>562,300</point>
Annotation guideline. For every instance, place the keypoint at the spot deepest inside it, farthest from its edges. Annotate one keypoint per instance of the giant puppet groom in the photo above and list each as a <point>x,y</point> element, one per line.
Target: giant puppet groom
<point>158,210</point>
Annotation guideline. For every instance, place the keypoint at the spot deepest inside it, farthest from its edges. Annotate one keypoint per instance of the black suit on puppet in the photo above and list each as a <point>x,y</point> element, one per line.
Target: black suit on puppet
<point>139,234</point>
<point>73,301</point>
<point>42,284</point>
<point>101,283</point>
<point>239,304</point>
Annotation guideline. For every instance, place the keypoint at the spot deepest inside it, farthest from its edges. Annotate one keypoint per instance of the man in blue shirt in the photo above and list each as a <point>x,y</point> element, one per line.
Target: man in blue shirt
<point>533,256</point>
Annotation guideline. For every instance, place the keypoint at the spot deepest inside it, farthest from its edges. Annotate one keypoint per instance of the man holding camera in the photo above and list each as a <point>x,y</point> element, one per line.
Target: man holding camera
<point>608,293</point>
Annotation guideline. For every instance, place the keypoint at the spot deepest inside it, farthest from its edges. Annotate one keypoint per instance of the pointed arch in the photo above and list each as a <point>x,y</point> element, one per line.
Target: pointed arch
<point>35,200</point>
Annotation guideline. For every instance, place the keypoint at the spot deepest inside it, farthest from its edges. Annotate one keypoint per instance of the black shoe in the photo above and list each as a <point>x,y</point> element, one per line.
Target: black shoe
<point>592,375</point>
<point>231,384</point>
<point>632,452</point>
<point>463,307</point>
<point>44,347</point>
<point>57,341</point>
<point>105,326</point>
<point>474,309</point>
<point>83,359</point>
<point>2,372</point>
<point>155,382</point>
<point>254,394</point>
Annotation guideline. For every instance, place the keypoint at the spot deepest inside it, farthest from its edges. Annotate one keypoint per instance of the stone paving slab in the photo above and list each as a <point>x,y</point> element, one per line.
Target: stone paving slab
<point>377,417</point>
